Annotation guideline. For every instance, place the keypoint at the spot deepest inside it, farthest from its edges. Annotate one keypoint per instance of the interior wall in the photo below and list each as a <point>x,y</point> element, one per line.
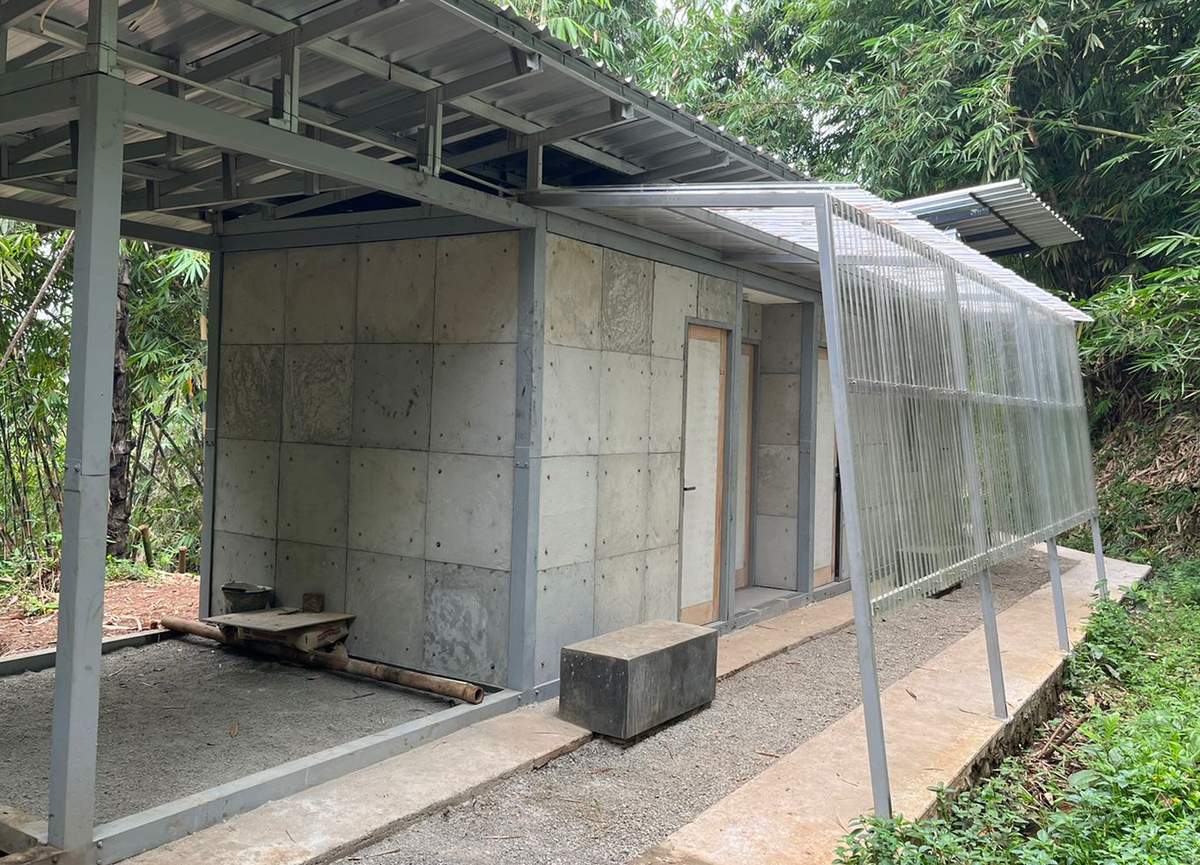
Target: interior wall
<point>612,436</point>
<point>365,441</point>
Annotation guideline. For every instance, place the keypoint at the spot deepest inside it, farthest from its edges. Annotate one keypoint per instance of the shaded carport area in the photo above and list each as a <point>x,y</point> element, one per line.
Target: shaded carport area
<point>233,128</point>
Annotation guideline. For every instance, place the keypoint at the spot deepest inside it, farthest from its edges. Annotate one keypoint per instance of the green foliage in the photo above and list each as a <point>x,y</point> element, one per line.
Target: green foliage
<point>166,372</point>
<point>1124,788</point>
<point>1143,352</point>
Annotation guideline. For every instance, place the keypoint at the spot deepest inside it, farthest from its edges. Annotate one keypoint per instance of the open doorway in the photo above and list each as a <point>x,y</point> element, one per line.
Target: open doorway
<point>703,472</point>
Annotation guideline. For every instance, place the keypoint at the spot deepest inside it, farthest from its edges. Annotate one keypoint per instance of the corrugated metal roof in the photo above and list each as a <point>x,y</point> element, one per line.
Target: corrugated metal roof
<point>398,49</point>
<point>995,218</point>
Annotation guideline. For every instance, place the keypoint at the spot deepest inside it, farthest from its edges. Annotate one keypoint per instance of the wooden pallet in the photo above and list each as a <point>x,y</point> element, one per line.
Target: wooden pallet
<point>306,632</point>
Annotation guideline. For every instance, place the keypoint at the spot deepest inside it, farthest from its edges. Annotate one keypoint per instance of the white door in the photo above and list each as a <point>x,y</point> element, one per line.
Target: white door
<point>703,470</point>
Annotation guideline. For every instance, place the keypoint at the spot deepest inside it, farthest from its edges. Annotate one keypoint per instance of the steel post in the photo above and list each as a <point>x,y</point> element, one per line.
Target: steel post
<point>1056,589</point>
<point>881,788</point>
<point>1098,549</point>
<point>85,480</point>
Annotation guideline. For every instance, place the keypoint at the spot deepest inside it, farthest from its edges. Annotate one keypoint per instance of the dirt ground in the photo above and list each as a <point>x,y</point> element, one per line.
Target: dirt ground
<point>184,715</point>
<point>605,803</point>
<point>129,606</point>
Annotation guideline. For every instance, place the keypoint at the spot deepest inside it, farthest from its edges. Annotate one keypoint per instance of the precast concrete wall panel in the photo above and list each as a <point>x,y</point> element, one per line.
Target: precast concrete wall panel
<point>251,387</point>
<point>751,320</point>
<point>392,384</point>
<point>251,559</point>
<point>570,401</point>
<point>573,293</point>
<point>627,287</point>
<point>779,418</point>
<point>564,614</point>
<point>396,290</point>
<point>778,480</point>
<point>666,405</point>
<point>674,304</point>
<point>620,589</point>
<point>621,514</point>
<point>662,584</point>
<point>624,402</point>
<point>310,568</point>
<point>317,393</point>
<point>567,511</point>
<point>476,294</point>
<point>716,300</point>
<point>252,298</point>
<point>393,467</point>
<point>775,551</point>
<point>322,284</point>
<point>388,501</point>
<point>662,502</point>
<point>469,519</point>
<point>387,594</point>
<point>466,621</point>
<point>781,345</point>
<point>314,487</point>
<point>247,488</point>
<point>473,405</point>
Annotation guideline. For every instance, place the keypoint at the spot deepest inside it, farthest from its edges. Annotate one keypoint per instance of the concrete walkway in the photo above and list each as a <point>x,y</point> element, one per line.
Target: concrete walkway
<point>938,721</point>
<point>348,813</point>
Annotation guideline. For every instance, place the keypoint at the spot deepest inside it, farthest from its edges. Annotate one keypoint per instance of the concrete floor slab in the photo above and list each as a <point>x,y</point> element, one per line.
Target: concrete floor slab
<point>797,811</point>
<point>184,715</point>
<point>345,814</point>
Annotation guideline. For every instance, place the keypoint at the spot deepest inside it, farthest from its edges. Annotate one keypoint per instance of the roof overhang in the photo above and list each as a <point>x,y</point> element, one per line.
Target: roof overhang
<point>775,224</point>
<point>995,218</point>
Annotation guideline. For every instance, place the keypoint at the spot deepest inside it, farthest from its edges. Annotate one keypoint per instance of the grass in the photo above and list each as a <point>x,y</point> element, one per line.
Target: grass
<point>31,584</point>
<point>1116,779</point>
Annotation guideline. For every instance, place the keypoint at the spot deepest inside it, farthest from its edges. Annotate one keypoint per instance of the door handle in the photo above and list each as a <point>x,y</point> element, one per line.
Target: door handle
<point>688,489</point>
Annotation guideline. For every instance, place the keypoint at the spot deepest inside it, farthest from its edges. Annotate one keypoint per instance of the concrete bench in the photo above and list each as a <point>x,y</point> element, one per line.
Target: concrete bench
<point>626,682</point>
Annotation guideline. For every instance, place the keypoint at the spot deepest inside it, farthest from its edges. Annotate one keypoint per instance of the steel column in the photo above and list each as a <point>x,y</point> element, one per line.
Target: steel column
<point>1056,589</point>
<point>85,480</point>
<point>881,787</point>
<point>974,478</point>
<point>527,458</point>
<point>806,498</point>
<point>732,467</point>
<point>1098,549</point>
<point>211,408</point>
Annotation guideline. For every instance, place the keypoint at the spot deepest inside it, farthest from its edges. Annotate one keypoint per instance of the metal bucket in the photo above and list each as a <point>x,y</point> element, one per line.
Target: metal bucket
<point>246,597</point>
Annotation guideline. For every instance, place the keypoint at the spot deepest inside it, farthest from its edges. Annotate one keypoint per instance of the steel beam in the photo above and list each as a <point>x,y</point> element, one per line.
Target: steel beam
<point>38,106</point>
<point>85,479</point>
<point>63,217</point>
<point>395,74</point>
<point>152,110</point>
<point>616,114</point>
<point>684,167</point>
<point>305,33</point>
<point>13,11</point>
<point>527,459</point>
<point>881,788</point>
<point>685,196</point>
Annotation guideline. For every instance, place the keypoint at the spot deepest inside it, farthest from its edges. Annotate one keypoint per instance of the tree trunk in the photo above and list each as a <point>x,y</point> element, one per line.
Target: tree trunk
<point>120,503</point>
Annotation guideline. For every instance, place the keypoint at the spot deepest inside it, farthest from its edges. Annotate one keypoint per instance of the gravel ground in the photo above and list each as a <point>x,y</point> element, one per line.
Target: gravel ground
<point>605,804</point>
<point>180,716</point>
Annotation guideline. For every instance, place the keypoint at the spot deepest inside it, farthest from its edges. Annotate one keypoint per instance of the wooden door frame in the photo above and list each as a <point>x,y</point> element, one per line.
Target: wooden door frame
<point>742,577</point>
<point>709,611</point>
